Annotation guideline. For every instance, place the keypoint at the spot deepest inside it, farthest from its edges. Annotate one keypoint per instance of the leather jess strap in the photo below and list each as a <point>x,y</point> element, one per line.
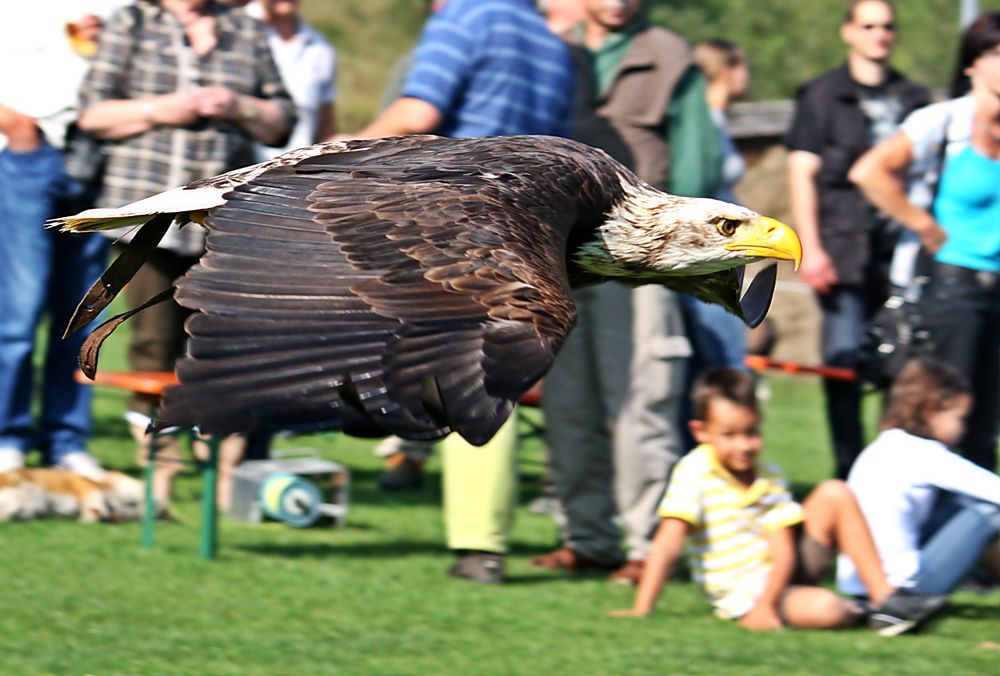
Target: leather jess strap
<point>91,348</point>
<point>121,271</point>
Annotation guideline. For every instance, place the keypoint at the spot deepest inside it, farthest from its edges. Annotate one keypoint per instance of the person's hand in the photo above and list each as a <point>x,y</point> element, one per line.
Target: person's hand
<point>201,34</point>
<point>762,617</point>
<point>88,27</point>
<point>20,129</point>
<point>217,102</point>
<point>83,34</point>
<point>179,109</point>
<point>817,270</point>
<point>627,612</point>
<point>931,234</point>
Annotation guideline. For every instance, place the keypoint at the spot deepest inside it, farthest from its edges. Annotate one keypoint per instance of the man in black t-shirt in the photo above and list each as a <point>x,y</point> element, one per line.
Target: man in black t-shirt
<point>846,244</point>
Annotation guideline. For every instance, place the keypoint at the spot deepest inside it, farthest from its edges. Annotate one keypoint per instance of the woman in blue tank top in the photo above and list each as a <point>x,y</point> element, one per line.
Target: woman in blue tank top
<point>959,140</point>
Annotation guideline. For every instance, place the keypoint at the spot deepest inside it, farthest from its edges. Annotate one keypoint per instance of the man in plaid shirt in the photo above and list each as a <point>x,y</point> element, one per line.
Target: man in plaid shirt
<point>179,90</point>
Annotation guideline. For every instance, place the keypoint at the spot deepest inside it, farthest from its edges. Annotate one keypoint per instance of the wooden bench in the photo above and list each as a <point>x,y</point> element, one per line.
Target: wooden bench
<point>154,383</point>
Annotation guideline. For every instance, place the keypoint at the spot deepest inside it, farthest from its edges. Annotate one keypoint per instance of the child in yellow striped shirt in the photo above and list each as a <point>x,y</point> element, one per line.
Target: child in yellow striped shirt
<point>756,552</point>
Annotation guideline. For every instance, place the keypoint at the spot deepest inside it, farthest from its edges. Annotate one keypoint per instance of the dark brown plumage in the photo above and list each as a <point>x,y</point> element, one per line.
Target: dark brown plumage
<point>413,285</point>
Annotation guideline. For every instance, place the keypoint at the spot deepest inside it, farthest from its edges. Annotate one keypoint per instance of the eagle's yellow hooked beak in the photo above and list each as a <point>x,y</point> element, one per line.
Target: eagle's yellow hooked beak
<point>767,238</point>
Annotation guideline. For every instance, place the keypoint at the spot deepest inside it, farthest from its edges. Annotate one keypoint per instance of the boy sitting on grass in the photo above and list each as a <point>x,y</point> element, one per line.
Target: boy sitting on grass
<point>756,552</point>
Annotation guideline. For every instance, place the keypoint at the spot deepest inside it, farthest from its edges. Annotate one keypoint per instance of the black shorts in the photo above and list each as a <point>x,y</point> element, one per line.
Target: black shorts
<point>812,560</point>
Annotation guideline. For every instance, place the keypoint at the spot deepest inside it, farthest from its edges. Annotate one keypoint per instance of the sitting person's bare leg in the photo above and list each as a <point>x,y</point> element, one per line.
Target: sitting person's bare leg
<point>807,607</point>
<point>834,519</point>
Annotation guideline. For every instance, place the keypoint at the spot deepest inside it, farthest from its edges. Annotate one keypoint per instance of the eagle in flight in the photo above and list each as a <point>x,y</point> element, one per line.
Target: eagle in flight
<point>412,285</point>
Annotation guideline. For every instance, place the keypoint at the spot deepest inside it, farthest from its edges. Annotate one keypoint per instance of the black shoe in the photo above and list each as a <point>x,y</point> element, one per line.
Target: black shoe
<point>862,610</point>
<point>903,611</point>
<point>482,567</point>
<point>406,474</point>
<point>979,582</point>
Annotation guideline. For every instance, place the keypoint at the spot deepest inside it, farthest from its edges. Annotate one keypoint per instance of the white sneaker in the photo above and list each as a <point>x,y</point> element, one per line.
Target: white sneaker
<point>387,447</point>
<point>84,464</point>
<point>11,459</point>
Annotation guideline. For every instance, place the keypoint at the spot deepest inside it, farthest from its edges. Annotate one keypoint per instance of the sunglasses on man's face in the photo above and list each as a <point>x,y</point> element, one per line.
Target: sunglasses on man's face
<point>888,27</point>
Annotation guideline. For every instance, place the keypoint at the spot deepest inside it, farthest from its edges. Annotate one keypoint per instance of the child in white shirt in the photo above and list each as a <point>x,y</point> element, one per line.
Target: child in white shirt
<point>933,514</point>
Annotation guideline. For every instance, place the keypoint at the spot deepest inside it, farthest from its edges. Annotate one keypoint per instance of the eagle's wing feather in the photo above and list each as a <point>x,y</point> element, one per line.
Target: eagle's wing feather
<point>383,297</point>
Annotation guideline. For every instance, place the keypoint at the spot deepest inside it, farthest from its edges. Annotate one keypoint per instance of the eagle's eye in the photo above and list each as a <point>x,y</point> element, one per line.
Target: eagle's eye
<point>727,226</point>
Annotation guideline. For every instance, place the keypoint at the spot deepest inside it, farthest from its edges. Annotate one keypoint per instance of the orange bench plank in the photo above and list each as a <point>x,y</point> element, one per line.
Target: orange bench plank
<point>145,382</point>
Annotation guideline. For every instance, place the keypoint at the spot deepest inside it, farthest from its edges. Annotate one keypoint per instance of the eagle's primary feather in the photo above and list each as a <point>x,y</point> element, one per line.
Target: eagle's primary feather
<point>412,285</point>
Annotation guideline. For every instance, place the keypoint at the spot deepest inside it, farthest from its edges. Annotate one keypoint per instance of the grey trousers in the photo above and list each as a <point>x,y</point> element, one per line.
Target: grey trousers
<point>612,407</point>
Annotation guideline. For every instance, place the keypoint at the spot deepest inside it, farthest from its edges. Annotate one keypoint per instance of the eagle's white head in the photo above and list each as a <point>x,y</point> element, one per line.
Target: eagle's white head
<point>649,235</point>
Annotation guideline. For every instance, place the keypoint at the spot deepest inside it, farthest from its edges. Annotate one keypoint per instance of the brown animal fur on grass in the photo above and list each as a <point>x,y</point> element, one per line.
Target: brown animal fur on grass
<point>31,493</point>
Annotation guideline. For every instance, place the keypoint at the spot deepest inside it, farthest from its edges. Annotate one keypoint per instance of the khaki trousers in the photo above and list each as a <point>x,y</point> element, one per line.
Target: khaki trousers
<point>480,490</point>
<point>612,410</point>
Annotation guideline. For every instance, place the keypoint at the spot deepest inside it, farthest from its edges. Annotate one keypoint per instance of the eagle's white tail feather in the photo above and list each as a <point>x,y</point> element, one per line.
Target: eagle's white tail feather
<point>176,201</point>
<point>94,220</point>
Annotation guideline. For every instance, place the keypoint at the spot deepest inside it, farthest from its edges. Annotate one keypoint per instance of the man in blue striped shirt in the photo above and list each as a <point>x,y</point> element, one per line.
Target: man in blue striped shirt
<point>482,68</point>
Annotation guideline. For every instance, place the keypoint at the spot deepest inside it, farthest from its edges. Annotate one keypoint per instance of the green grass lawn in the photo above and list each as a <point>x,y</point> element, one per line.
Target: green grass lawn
<point>372,598</point>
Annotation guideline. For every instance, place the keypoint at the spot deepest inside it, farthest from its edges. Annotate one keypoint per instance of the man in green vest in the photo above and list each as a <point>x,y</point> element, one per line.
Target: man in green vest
<point>612,399</point>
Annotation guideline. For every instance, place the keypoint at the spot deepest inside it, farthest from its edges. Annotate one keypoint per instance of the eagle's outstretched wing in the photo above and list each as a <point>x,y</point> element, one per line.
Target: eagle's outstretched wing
<point>381,290</point>
<point>412,285</point>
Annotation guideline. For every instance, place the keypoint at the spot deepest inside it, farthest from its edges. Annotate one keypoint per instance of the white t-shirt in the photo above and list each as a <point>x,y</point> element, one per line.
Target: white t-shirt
<point>896,480</point>
<point>41,73</point>
<point>308,66</point>
<point>948,122</point>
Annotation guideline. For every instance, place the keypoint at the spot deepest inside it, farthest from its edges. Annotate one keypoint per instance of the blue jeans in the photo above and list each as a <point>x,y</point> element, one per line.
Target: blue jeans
<point>957,533</point>
<point>719,338</point>
<point>42,272</point>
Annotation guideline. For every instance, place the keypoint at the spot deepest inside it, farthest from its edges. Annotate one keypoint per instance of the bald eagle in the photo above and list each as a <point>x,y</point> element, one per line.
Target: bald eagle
<point>412,285</point>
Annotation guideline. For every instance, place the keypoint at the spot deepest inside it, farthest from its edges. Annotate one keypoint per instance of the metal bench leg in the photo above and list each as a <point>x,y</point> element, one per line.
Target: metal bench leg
<point>209,507</point>
<point>149,513</point>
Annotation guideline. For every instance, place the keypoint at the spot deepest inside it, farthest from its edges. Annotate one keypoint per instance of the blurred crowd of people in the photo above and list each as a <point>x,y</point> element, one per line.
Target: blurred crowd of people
<point>125,99</point>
